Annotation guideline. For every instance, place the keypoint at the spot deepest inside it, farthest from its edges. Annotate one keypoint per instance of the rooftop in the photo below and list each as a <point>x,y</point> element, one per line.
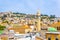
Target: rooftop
<point>53,32</point>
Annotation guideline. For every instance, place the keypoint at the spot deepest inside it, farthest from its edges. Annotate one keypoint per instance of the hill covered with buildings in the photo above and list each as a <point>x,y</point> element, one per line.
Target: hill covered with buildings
<point>21,24</point>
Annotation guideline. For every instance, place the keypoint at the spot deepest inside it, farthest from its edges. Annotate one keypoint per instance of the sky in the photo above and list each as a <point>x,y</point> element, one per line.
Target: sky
<point>49,7</point>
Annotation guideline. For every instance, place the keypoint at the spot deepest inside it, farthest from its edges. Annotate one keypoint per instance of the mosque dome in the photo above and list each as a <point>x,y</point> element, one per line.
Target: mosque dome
<point>52,29</point>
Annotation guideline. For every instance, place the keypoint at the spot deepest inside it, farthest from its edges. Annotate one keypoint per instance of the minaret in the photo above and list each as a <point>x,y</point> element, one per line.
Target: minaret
<point>38,21</point>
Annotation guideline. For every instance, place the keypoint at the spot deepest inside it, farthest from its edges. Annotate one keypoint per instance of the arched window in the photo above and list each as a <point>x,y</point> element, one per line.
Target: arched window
<point>49,38</point>
<point>56,38</point>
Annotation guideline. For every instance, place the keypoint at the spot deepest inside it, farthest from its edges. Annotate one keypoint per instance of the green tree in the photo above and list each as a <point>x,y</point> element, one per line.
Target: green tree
<point>2,27</point>
<point>5,21</point>
<point>52,16</point>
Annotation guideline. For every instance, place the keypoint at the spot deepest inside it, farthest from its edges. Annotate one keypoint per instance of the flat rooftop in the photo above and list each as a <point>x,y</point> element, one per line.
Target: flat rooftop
<point>53,32</point>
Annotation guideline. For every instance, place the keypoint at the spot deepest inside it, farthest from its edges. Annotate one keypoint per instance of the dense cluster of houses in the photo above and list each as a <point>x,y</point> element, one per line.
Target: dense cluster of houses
<point>26,28</point>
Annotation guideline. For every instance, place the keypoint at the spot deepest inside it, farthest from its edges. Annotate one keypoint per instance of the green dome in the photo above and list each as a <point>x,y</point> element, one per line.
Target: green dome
<point>1,31</point>
<point>52,29</point>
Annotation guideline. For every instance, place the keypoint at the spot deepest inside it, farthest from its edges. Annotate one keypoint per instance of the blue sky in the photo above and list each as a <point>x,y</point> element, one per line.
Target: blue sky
<point>31,6</point>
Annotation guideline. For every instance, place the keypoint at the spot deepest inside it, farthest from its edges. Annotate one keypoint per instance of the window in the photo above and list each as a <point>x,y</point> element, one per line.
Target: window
<point>58,28</point>
<point>49,38</point>
<point>56,38</point>
<point>28,32</point>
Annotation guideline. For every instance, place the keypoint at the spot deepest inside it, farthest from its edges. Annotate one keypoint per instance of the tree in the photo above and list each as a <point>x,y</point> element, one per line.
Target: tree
<point>5,21</point>
<point>44,15</point>
<point>2,27</point>
<point>52,16</point>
